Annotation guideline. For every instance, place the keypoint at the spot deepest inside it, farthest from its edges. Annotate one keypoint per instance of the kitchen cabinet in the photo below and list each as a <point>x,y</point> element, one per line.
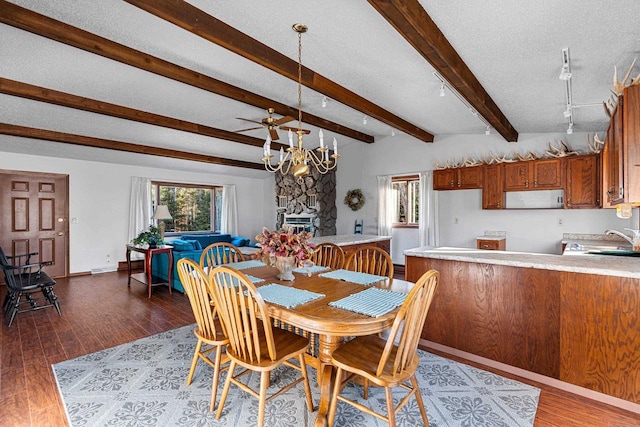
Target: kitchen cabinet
<point>582,188</point>
<point>546,174</point>
<point>458,178</point>
<point>621,151</point>
<point>492,191</point>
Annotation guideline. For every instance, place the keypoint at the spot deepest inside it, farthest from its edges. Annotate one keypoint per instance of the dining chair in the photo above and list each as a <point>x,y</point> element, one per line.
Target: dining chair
<point>208,331</point>
<point>382,361</point>
<point>220,253</point>
<point>25,279</point>
<point>253,343</point>
<point>371,260</point>
<point>328,255</point>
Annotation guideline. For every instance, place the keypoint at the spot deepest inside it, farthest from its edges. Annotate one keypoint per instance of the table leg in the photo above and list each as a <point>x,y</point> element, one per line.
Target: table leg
<point>147,267</point>
<point>129,266</point>
<point>170,277</point>
<point>327,344</point>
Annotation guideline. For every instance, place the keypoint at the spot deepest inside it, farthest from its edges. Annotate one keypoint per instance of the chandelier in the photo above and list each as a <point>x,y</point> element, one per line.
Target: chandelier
<point>298,159</point>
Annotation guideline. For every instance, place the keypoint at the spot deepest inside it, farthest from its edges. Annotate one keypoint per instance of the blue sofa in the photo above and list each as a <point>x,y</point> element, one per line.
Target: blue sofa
<point>190,246</point>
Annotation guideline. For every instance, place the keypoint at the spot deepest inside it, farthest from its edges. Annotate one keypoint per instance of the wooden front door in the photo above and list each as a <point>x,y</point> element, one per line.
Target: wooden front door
<point>33,217</point>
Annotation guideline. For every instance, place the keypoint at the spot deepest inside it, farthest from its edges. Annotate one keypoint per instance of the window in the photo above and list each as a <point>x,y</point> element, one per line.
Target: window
<point>193,207</point>
<point>406,197</point>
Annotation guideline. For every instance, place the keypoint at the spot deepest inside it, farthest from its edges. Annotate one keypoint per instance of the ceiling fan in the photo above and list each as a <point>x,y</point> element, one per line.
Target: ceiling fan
<point>268,122</point>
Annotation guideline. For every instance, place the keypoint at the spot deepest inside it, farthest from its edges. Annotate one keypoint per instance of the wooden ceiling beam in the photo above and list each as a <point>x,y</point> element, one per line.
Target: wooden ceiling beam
<point>212,29</point>
<point>410,19</point>
<point>88,141</point>
<point>44,26</point>
<point>37,93</point>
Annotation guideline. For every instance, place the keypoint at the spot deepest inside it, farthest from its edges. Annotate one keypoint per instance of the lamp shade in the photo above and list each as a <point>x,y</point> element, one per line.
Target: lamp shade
<point>162,212</point>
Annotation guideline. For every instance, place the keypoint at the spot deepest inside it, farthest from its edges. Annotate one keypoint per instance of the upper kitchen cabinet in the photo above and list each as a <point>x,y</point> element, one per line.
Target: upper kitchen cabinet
<point>583,182</point>
<point>621,152</point>
<point>458,178</point>
<point>492,193</point>
<point>544,174</point>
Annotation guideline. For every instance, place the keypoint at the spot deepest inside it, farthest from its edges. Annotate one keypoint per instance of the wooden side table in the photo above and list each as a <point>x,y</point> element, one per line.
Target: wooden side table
<point>147,277</point>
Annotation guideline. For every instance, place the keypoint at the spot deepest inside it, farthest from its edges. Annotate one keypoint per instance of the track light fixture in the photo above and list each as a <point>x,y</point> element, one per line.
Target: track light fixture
<point>570,129</point>
<point>324,101</point>
<point>364,120</point>
<point>472,110</point>
<point>488,131</point>
<point>565,72</point>
<point>393,132</point>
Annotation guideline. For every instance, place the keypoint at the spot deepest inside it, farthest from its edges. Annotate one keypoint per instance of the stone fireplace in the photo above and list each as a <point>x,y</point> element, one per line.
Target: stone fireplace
<point>315,194</point>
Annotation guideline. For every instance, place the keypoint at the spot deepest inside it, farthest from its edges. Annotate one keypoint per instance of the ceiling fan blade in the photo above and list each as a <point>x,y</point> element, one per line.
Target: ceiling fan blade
<point>249,120</point>
<point>294,130</point>
<point>244,130</point>
<point>274,133</point>
<point>283,120</point>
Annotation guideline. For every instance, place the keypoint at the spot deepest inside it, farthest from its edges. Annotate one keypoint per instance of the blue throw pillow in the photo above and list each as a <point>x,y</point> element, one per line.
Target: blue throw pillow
<point>240,241</point>
<point>182,245</point>
<point>195,243</point>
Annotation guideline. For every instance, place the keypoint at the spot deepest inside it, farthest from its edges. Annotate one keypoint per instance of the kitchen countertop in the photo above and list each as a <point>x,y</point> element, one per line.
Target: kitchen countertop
<point>349,239</point>
<point>605,265</point>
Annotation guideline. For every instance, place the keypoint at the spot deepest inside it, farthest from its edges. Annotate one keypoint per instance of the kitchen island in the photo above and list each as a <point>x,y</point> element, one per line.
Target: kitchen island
<point>571,318</point>
<point>351,242</point>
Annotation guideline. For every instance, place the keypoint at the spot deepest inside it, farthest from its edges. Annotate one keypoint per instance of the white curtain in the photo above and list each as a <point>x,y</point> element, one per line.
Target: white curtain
<point>140,209</point>
<point>229,219</point>
<point>429,233</point>
<point>385,206</point>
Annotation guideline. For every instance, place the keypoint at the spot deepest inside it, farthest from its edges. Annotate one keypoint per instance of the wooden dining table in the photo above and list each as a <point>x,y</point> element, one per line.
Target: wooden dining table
<point>330,323</point>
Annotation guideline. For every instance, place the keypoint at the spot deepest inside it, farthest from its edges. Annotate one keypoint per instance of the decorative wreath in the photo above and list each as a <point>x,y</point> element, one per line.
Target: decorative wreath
<point>354,199</point>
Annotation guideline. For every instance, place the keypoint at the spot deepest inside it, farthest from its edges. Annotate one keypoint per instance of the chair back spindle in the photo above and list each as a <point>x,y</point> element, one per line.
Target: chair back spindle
<point>220,253</point>
<point>329,255</point>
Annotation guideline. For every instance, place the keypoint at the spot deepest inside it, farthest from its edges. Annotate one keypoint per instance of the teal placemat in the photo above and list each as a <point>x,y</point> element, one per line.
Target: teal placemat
<point>354,277</point>
<point>286,296</point>
<point>254,279</point>
<point>310,270</point>
<point>242,265</point>
<point>372,302</point>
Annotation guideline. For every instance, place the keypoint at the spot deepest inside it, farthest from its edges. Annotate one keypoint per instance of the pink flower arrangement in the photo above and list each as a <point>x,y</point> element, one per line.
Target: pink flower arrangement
<point>285,243</point>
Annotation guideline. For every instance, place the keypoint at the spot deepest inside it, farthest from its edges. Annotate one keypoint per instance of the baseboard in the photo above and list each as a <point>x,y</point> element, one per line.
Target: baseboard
<point>571,388</point>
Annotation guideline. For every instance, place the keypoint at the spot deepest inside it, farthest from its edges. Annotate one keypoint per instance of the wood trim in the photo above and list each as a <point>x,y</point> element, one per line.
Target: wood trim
<point>405,178</point>
<point>212,29</point>
<point>410,19</point>
<point>87,141</point>
<point>44,26</point>
<point>37,93</point>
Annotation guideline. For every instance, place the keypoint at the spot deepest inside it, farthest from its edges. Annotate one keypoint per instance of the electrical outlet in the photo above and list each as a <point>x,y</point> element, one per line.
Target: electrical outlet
<point>560,221</point>
<point>108,258</point>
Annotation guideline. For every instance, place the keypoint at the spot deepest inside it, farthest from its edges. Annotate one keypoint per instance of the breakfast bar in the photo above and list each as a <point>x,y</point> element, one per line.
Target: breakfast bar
<point>571,318</point>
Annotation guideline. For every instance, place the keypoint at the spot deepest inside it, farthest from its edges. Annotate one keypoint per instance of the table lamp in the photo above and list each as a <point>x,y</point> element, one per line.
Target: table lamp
<point>162,213</point>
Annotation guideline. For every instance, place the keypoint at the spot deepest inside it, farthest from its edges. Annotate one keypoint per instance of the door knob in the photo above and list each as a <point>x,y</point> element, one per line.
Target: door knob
<point>60,233</point>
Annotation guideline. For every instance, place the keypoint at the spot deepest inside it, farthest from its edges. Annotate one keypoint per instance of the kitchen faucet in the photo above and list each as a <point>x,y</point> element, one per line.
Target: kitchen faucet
<point>635,241</point>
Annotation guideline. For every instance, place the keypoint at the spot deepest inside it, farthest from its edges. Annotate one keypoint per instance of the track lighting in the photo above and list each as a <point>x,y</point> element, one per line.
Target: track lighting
<point>488,131</point>
<point>445,84</point>
<point>570,129</point>
<point>567,113</point>
<point>393,132</point>
<point>324,101</point>
<point>565,73</point>
<point>364,120</point>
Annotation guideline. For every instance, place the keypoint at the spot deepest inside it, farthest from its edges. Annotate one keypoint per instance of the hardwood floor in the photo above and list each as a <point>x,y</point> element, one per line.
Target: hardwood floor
<point>99,312</point>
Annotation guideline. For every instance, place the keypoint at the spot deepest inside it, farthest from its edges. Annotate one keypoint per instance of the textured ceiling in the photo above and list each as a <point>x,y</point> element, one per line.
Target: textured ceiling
<point>513,48</point>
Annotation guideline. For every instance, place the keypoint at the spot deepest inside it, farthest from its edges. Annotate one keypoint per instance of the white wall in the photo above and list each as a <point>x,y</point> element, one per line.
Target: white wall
<point>99,197</point>
<point>527,230</point>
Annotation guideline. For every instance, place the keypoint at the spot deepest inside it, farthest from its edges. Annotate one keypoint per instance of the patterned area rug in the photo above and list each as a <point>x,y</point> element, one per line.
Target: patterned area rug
<point>142,383</point>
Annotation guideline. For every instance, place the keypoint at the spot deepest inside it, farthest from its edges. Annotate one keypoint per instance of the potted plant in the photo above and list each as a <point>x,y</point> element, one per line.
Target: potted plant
<point>152,237</point>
